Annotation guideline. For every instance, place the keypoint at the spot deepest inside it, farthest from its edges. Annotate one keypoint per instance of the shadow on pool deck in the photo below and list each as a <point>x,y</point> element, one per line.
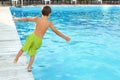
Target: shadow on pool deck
<point>9,46</point>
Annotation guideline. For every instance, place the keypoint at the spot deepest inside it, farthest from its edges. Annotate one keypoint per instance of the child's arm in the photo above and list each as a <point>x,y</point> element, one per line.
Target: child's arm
<point>26,19</point>
<point>58,32</point>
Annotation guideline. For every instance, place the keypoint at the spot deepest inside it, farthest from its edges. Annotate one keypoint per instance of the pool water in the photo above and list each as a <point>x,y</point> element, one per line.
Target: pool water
<point>93,52</point>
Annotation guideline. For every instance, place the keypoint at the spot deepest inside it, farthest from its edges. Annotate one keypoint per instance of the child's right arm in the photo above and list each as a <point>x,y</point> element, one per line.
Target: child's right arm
<point>58,32</point>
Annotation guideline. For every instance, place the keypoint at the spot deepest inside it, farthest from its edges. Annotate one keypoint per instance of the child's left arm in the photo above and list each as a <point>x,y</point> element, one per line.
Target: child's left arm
<point>26,19</point>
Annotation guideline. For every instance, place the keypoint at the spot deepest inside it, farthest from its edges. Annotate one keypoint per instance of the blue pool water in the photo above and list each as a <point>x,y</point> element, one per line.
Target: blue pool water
<point>93,52</point>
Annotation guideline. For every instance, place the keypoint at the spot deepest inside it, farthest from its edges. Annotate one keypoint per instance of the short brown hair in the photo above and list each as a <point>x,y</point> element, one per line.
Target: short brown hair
<point>46,11</point>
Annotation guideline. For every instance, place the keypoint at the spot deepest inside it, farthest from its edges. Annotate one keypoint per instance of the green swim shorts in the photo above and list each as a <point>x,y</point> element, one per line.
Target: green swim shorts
<point>31,44</point>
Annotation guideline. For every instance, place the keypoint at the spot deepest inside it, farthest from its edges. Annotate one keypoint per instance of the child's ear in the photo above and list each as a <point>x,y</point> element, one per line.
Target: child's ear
<point>49,15</point>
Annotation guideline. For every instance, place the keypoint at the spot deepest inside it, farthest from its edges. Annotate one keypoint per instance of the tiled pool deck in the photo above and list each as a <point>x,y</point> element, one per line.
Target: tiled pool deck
<point>9,46</point>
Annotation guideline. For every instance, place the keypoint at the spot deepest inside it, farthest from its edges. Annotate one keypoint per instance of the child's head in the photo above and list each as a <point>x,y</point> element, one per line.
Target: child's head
<point>46,11</point>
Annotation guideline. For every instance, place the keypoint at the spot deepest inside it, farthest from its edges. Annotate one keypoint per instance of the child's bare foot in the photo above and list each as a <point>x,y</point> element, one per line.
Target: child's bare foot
<point>29,69</point>
<point>15,60</point>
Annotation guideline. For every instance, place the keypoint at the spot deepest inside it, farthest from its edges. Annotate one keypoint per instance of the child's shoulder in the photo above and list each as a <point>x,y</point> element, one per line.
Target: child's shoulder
<point>35,18</point>
<point>50,23</point>
<point>38,18</point>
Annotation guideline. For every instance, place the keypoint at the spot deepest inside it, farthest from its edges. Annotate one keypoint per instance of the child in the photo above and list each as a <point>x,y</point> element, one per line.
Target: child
<point>34,40</point>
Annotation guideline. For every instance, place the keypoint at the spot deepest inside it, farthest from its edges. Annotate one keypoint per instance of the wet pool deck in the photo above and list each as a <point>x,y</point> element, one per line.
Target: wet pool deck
<point>9,46</point>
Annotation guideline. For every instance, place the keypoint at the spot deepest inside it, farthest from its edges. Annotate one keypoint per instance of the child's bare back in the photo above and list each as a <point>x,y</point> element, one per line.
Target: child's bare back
<point>42,25</point>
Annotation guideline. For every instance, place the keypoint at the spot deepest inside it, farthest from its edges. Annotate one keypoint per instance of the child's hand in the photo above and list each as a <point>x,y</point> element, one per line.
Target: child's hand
<point>15,19</point>
<point>67,39</point>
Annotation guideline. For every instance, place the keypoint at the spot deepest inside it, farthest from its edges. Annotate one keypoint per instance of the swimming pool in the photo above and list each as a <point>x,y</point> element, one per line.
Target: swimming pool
<point>92,54</point>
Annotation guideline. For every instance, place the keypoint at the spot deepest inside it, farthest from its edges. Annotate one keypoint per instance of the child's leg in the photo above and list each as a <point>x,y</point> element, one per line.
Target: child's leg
<point>18,55</point>
<point>30,63</point>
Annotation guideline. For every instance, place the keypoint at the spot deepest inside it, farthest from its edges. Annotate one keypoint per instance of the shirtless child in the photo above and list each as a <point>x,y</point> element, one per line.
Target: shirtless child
<point>34,40</point>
